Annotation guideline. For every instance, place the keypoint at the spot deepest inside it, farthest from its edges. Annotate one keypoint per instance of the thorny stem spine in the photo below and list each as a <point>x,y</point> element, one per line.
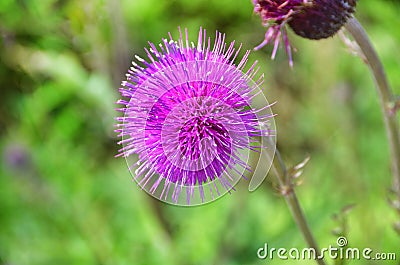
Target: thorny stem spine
<point>288,192</point>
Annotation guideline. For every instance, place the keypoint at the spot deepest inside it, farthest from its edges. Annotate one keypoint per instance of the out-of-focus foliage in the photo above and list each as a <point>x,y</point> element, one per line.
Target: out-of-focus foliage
<point>65,199</point>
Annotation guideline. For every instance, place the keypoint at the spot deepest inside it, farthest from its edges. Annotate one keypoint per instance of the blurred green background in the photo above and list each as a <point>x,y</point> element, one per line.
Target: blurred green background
<point>65,199</point>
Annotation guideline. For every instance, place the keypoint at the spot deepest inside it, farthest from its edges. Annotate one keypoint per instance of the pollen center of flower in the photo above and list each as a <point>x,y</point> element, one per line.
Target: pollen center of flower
<point>196,134</point>
<point>200,134</point>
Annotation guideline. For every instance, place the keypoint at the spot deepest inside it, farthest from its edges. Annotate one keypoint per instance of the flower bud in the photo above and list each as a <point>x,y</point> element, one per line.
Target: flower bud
<point>321,18</point>
<point>311,19</point>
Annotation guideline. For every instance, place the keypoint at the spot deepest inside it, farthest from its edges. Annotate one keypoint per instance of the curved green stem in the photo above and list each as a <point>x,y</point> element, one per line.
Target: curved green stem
<point>288,192</point>
<point>387,99</point>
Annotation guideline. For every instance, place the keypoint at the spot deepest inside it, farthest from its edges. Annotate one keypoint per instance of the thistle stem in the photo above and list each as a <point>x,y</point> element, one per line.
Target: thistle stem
<point>387,99</point>
<point>289,194</point>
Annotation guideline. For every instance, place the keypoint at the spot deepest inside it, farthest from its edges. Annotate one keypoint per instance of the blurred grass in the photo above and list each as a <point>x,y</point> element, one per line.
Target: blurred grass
<point>65,199</point>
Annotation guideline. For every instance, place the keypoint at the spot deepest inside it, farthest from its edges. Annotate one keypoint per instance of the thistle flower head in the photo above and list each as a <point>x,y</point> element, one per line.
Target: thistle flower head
<point>189,118</point>
<point>311,19</point>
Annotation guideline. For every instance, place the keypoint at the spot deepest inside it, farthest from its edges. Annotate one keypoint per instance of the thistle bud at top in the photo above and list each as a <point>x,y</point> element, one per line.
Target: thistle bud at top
<point>311,19</point>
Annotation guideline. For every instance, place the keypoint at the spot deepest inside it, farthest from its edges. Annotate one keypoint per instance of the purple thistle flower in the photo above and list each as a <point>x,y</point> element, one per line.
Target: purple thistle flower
<point>311,19</point>
<point>188,115</point>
